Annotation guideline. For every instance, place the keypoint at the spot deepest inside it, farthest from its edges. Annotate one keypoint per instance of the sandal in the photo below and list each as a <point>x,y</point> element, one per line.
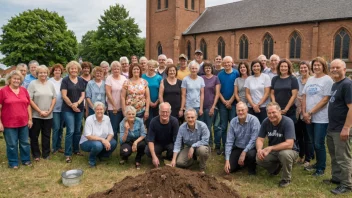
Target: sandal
<point>68,159</point>
<point>138,166</point>
<point>78,153</point>
<point>37,159</point>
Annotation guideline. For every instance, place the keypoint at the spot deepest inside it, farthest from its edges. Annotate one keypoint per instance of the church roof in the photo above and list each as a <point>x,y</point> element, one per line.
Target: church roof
<point>261,13</point>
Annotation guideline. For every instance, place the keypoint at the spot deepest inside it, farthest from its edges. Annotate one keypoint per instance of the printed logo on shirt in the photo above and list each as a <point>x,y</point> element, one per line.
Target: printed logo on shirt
<point>274,134</point>
<point>314,89</point>
<point>332,98</point>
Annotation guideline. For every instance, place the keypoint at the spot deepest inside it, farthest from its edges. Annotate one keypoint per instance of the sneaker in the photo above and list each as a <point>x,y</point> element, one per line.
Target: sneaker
<point>92,166</point>
<point>311,168</point>
<point>29,163</point>
<point>306,164</point>
<point>330,181</point>
<point>340,190</point>
<point>277,171</point>
<point>284,183</point>
<point>218,151</point>
<point>318,173</point>
<point>122,162</point>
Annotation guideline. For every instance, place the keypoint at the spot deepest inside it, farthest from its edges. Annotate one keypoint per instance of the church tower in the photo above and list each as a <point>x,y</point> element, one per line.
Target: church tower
<point>166,21</point>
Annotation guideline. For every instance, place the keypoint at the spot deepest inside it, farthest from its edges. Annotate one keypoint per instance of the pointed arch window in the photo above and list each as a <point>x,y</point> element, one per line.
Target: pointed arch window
<point>342,44</point>
<point>268,45</point>
<point>189,49</point>
<point>221,47</point>
<point>159,4</point>
<point>192,4</point>
<point>203,48</point>
<point>186,4</point>
<point>295,45</point>
<point>166,3</point>
<point>243,47</point>
<point>160,48</point>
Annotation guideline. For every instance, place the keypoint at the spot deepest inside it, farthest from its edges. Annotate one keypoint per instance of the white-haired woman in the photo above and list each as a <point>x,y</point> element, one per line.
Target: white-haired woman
<point>97,138</point>
<point>73,94</point>
<point>106,67</point>
<point>43,99</point>
<point>125,65</point>
<point>132,134</point>
<point>143,62</point>
<point>95,91</point>
<point>113,87</point>
<point>15,104</point>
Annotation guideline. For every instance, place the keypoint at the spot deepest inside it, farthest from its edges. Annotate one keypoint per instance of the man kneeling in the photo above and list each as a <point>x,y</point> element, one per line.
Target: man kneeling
<point>194,135</point>
<point>282,151</point>
<point>161,134</point>
<point>97,138</point>
<point>240,141</point>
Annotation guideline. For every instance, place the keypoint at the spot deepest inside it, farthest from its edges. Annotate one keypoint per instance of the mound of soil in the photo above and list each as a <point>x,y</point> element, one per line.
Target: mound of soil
<point>168,182</point>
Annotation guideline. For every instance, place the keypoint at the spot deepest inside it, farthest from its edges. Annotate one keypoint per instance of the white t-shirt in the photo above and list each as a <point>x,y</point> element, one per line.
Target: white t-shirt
<point>256,87</point>
<point>57,85</point>
<point>93,127</point>
<point>315,90</point>
<point>116,87</point>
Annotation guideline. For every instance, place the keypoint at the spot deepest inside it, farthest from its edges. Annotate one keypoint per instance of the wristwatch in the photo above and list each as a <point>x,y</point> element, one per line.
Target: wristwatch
<point>310,113</point>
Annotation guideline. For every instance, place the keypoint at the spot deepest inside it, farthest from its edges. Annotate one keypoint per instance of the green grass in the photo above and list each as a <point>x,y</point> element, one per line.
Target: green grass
<point>44,178</point>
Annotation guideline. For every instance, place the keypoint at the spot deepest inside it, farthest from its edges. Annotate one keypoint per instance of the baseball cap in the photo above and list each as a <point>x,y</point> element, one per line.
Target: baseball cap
<point>183,56</point>
<point>198,51</point>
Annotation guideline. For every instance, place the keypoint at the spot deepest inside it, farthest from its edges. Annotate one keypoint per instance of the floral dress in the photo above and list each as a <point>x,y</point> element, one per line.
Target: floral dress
<point>135,94</point>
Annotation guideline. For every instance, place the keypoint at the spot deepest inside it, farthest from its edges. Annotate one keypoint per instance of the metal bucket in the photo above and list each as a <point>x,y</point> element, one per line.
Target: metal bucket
<point>71,177</point>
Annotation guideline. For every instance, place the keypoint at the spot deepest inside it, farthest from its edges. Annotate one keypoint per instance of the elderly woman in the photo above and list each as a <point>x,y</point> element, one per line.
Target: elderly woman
<point>15,119</point>
<point>170,91</point>
<point>125,65</point>
<point>240,90</point>
<point>135,92</point>
<point>58,119</point>
<point>143,62</point>
<point>73,94</point>
<point>153,83</point>
<point>95,91</point>
<point>113,88</point>
<point>316,94</point>
<point>97,138</point>
<point>134,59</point>
<point>284,89</point>
<point>192,89</point>
<point>86,70</point>
<point>106,68</point>
<point>43,99</point>
<point>257,90</point>
<point>132,136</point>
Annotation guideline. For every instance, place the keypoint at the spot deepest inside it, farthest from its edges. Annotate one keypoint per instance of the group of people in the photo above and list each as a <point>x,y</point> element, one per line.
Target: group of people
<point>187,110</point>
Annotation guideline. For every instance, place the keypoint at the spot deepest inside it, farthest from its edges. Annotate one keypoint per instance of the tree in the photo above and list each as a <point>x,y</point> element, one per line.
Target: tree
<point>40,35</point>
<point>116,36</point>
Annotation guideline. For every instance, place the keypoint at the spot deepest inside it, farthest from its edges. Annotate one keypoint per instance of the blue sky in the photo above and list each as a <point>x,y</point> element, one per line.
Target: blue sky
<point>82,15</point>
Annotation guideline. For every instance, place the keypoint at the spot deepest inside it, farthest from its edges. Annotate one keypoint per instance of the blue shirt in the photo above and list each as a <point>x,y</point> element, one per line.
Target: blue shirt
<point>153,84</point>
<point>28,79</point>
<point>94,92</point>
<point>196,138</point>
<point>134,133</point>
<point>227,82</point>
<point>242,135</point>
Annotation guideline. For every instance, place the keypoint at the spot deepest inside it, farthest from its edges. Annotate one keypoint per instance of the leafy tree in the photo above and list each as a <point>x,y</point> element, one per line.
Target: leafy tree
<point>116,36</point>
<point>37,34</point>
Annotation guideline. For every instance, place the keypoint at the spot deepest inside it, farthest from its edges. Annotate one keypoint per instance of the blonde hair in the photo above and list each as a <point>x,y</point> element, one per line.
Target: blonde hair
<point>41,67</point>
<point>11,74</point>
<point>130,109</point>
<point>73,64</point>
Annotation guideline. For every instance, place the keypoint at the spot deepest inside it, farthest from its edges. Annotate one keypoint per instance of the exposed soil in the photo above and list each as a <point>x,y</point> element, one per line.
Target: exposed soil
<point>168,182</point>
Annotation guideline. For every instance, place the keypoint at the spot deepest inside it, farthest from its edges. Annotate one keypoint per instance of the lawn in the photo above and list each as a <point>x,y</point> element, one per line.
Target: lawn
<point>43,179</point>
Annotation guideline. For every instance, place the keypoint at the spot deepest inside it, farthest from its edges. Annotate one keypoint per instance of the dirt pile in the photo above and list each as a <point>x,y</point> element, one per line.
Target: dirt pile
<point>168,182</point>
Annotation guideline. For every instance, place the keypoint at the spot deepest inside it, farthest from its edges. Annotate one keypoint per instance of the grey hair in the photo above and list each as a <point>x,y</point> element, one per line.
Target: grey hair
<point>124,59</point>
<point>189,110</point>
<point>96,104</point>
<point>21,65</point>
<point>275,55</point>
<point>142,58</point>
<point>339,60</point>
<point>270,104</point>
<point>170,60</point>
<point>104,63</point>
<point>41,67</point>
<point>242,103</point>
<point>165,103</point>
<point>130,109</point>
<point>162,55</point>
<point>261,56</point>
<point>228,57</point>
<point>11,74</point>
<point>193,63</point>
<point>115,64</point>
<point>32,62</point>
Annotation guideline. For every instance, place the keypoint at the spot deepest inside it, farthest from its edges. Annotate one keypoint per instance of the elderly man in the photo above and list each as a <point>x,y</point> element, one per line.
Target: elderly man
<point>22,68</point>
<point>183,70</point>
<point>263,60</point>
<point>162,134</point>
<point>226,105</point>
<point>240,143</point>
<point>198,57</point>
<point>162,64</point>
<point>143,62</point>
<point>169,61</point>
<point>274,61</point>
<point>33,64</point>
<point>106,67</point>
<point>282,151</point>
<point>194,135</point>
<point>338,137</point>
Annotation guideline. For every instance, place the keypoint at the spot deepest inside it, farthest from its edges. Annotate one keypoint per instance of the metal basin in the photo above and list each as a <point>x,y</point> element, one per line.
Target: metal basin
<point>71,177</point>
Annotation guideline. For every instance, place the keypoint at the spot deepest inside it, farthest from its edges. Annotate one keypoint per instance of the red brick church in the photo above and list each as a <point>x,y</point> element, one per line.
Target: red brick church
<point>295,29</point>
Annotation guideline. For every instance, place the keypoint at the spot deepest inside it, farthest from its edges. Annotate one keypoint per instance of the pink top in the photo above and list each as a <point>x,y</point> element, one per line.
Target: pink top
<point>14,111</point>
<point>116,87</point>
<point>136,94</point>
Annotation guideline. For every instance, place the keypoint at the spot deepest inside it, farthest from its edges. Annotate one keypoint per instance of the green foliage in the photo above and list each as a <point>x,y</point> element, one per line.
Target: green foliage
<point>116,36</point>
<point>40,35</point>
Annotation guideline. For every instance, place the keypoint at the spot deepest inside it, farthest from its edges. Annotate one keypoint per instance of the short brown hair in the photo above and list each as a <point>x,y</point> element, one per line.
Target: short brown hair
<point>247,67</point>
<point>87,64</point>
<point>133,65</point>
<point>289,64</point>
<point>208,64</point>
<point>168,67</point>
<point>51,73</point>
<point>323,62</point>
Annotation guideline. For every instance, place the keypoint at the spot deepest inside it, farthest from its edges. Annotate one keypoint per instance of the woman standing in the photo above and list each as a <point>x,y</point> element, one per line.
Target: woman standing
<point>125,65</point>
<point>153,83</point>
<point>170,91</point>
<point>73,94</point>
<point>15,104</point>
<point>58,119</point>
<point>240,90</point>
<point>316,95</point>
<point>135,92</point>
<point>257,90</point>
<point>43,99</point>
<point>284,89</point>
<point>113,88</point>
<point>95,91</point>
<point>86,70</point>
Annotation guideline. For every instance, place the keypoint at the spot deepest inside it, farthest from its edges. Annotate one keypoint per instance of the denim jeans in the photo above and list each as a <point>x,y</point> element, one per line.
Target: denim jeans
<point>97,149</point>
<point>317,133</point>
<point>58,125</point>
<point>216,125</point>
<point>73,122</point>
<point>226,115</point>
<point>115,120</point>
<point>208,120</point>
<point>14,138</point>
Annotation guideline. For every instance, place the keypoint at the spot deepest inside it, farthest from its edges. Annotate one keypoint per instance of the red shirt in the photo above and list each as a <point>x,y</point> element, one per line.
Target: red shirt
<point>14,111</point>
